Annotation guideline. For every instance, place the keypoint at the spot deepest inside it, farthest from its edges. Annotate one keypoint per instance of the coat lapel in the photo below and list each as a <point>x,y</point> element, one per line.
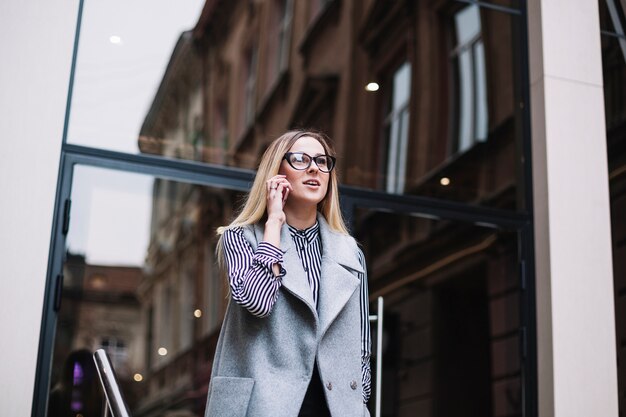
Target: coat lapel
<point>295,280</point>
<point>338,280</point>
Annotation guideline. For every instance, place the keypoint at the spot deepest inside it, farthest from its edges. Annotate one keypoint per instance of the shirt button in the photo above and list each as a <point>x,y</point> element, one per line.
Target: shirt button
<point>329,386</point>
<point>306,269</point>
<point>353,385</point>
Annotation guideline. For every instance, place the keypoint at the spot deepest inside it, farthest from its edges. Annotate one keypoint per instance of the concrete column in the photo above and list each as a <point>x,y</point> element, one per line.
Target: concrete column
<point>575,312</point>
<point>36,50</point>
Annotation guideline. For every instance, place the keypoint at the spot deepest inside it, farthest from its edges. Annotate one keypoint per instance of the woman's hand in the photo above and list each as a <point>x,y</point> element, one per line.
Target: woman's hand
<point>278,189</point>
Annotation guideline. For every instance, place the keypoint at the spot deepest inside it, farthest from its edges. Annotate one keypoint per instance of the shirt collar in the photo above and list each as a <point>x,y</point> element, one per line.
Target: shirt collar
<point>310,233</point>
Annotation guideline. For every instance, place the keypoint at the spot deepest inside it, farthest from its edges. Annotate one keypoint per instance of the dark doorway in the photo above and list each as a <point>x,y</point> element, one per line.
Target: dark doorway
<point>461,328</point>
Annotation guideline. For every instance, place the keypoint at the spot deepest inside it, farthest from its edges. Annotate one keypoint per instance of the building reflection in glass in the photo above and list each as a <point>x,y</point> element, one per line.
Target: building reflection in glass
<point>442,117</point>
<point>613,38</point>
<point>451,314</point>
<point>449,102</point>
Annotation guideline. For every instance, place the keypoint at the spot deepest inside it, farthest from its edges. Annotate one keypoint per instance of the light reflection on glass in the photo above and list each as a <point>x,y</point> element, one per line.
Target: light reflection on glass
<point>472,113</point>
<point>372,87</point>
<point>113,87</point>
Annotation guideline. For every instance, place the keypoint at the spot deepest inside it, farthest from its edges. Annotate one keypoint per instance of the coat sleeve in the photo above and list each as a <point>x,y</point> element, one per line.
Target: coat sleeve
<point>252,282</point>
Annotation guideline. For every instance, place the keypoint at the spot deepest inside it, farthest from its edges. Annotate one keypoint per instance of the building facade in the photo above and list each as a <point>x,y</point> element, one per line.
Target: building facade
<point>481,152</point>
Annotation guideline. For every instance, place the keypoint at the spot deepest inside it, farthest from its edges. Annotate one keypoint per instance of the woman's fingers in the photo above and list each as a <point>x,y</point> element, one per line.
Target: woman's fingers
<point>275,181</point>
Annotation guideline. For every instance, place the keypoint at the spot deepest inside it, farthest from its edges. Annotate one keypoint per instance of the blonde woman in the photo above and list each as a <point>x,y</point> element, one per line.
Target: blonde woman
<point>295,341</point>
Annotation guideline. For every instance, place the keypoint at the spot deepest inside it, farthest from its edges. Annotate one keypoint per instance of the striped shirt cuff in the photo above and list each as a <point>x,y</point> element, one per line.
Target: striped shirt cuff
<point>267,255</point>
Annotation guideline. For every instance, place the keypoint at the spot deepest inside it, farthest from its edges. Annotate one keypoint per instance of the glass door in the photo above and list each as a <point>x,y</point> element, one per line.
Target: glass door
<point>140,281</point>
<point>451,335</point>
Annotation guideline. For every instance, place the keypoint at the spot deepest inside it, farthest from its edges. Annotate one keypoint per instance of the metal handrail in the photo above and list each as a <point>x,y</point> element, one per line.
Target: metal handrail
<point>114,398</point>
<point>378,318</point>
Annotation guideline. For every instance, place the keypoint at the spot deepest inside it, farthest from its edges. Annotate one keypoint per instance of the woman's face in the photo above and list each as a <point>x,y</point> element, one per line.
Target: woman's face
<point>309,186</point>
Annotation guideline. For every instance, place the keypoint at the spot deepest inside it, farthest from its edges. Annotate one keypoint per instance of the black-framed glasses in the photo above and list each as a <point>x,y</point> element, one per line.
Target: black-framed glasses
<point>302,161</point>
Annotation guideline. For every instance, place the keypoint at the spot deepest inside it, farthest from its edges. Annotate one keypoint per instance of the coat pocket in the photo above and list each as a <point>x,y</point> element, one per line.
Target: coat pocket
<point>229,396</point>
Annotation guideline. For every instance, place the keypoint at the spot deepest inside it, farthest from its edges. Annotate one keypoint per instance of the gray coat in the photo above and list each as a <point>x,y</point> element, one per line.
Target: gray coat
<point>263,366</point>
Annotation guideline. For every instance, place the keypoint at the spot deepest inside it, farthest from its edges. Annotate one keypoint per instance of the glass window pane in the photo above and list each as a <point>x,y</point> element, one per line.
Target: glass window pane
<point>614,74</point>
<point>123,55</point>
<point>481,92</point>
<point>141,282</point>
<point>451,320</point>
<point>466,119</point>
<point>467,23</point>
<point>466,101</point>
<point>190,86</point>
<point>612,14</point>
<point>401,86</point>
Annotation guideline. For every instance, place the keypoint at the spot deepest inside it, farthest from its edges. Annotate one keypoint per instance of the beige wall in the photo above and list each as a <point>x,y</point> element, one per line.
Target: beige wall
<point>575,313</point>
<point>36,52</point>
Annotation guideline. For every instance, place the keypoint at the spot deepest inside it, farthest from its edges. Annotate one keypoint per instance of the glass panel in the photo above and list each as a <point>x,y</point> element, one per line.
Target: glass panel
<point>397,129</point>
<point>452,305</point>
<point>465,123</point>
<point>466,102</point>
<point>192,86</point>
<point>481,92</point>
<point>614,72</point>
<point>123,55</point>
<point>612,16</point>
<point>401,86</point>
<point>142,283</point>
<point>467,22</point>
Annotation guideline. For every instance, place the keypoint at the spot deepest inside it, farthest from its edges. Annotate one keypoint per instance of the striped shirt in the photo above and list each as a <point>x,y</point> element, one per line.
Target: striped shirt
<point>254,286</point>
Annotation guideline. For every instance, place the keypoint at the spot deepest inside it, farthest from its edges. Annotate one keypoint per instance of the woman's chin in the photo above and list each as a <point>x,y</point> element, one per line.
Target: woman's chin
<point>304,201</point>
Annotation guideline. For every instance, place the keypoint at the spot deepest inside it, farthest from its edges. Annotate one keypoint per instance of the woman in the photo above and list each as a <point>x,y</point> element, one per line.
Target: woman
<point>295,339</point>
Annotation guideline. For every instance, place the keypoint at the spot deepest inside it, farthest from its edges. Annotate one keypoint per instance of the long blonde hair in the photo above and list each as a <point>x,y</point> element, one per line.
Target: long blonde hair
<point>254,208</point>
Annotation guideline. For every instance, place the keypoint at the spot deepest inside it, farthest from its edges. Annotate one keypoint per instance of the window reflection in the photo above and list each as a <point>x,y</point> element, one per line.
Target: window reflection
<point>139,267</point>
<point>174,127</point>
<point>284,25</point>
<point>396,128</point>
<point>612,18</point>
<point>141,278</point>
<point>123,52</point>
<point>613,40</point>
<point>249,87</point>
<point>451,291</point>
<point>468,57</point>
<point>464,117</point>
<point>452,301</point>
<point>450,102</point>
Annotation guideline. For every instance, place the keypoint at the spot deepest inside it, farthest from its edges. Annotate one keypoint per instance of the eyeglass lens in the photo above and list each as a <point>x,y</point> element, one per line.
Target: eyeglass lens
<point>302,161</point>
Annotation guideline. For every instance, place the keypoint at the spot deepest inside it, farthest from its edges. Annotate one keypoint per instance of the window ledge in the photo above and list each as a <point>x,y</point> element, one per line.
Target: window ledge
<point>330,14</point>
<point>241,141</point>
<point>278,89</point>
